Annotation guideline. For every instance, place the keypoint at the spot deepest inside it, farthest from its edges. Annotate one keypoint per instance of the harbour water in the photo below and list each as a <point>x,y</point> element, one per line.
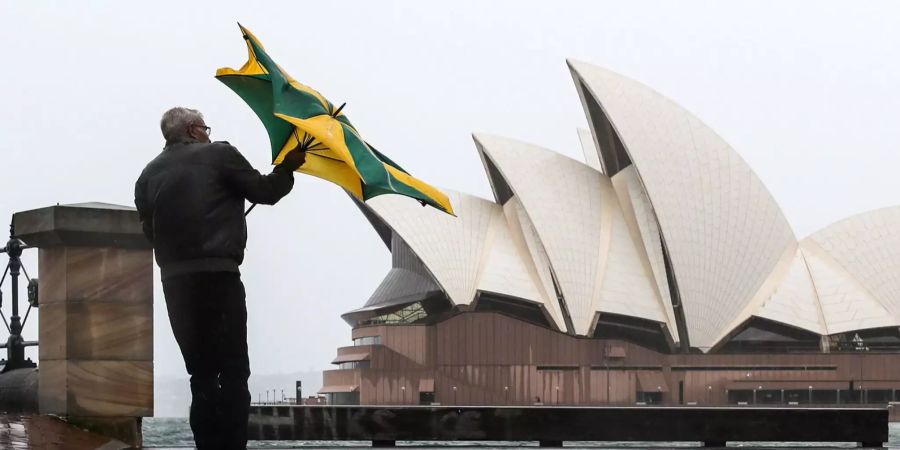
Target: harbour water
<point>172,433</point>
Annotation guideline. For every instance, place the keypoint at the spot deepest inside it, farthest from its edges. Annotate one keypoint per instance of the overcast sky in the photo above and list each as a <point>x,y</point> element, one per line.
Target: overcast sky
<point>806,92</point>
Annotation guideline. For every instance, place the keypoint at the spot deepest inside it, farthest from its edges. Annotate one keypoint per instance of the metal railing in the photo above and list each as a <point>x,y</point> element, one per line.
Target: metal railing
<point>15,345</point>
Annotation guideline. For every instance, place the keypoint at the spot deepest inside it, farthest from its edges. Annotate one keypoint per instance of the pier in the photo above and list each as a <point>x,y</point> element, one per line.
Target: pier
<point>550,426</point>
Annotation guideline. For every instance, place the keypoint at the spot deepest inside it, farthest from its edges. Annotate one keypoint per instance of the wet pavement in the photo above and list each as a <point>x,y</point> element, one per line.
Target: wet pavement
<point>44,432</point>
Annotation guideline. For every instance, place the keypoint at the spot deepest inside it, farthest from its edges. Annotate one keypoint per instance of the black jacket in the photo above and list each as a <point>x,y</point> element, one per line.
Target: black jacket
<point>191,202</point>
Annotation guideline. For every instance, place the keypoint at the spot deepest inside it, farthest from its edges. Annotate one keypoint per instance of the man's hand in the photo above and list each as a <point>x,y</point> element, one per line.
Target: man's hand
<point>293,160</point>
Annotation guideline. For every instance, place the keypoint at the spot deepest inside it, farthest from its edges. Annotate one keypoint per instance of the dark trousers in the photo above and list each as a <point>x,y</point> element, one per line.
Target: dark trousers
<point>208,314</point>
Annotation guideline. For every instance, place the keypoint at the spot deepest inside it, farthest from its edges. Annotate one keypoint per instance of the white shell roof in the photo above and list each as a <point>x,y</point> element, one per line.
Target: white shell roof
<point>524,235</point>
<point>867,246</point>
<point>452,248</point>
<point>846,304</point>
<point>841,278</point>
<point>676,188</point>
<point>794,301</point>
<point>636,207</point>
<point>579,223</point>
<point>723,230</point>
<point>591,155</point>
<point>475,251</point>
<point>788,296</point>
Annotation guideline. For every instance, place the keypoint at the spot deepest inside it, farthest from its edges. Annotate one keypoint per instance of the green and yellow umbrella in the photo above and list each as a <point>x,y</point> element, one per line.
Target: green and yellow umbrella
<point>295,114</point>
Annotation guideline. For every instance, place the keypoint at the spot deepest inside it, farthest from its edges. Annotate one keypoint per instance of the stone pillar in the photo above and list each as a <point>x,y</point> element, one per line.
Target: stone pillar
<point>95,317</point>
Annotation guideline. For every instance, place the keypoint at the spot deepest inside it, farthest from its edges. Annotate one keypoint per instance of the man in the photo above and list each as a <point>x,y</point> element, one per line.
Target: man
<point>191,203</point>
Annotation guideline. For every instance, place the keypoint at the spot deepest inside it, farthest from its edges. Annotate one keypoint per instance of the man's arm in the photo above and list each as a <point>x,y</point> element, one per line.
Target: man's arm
<point>252,185</point>
<point>144,210</point>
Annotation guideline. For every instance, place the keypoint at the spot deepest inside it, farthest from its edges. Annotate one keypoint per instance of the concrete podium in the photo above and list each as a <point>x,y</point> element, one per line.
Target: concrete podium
<point>95,329</point>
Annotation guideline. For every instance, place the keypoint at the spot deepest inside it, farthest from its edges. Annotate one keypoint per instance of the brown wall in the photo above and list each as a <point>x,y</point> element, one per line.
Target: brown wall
<point>491,358</point>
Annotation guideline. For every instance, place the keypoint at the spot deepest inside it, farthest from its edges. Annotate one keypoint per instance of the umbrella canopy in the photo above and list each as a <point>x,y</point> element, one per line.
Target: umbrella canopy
<point>295,114</point>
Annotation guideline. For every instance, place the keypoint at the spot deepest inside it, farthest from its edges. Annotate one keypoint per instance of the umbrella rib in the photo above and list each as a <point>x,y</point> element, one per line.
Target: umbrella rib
<point>304,146</point>
<point>328,157</point>
<point>338,111</point>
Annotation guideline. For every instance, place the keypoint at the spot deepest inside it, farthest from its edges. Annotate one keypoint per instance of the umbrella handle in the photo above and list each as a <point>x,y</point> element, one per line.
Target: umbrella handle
<point>249,209</point>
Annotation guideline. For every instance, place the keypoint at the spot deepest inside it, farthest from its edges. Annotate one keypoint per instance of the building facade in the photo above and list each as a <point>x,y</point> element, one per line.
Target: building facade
<point>658,271</point>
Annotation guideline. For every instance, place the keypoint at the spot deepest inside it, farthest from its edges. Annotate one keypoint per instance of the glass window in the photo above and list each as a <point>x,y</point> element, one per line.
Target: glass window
<point>848,396</point>
<point>408,314</point>
<point>768,397</point>
<point>878,395</point>
<point>798,396</point>
<point>649,398</point>
<point>354,365</point>
<point>740,396</point>
<point>342,398</point>
<point>367,340</point>
<point>824,396</point>
<point>426,398</point>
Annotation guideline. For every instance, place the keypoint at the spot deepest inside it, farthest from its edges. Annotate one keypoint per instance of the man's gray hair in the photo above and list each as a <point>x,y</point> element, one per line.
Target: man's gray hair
<point>175,122</point>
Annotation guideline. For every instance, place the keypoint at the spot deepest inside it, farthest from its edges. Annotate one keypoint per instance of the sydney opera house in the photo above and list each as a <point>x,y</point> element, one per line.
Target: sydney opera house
<point>659,270</point>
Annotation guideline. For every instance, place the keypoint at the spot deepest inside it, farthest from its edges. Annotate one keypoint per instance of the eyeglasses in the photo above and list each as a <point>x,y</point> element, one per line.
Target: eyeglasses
<point>205,128</point>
